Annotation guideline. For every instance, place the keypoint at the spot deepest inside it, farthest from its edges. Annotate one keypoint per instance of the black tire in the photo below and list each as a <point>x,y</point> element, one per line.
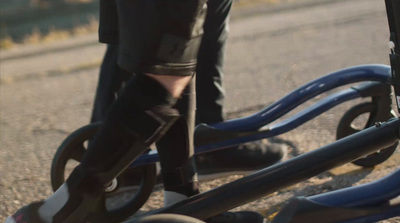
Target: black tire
<point>346,128</point>
<point>166,218</point>
<point>73,148</point>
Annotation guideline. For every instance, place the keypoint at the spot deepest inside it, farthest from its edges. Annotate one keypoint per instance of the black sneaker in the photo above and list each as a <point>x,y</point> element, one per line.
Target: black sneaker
<point>27,214</point>
<point>237,217</point>
<point>243,159</point>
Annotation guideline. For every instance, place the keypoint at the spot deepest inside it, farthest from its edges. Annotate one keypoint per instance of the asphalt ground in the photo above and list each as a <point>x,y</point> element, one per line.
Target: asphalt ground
<point>47,91</point>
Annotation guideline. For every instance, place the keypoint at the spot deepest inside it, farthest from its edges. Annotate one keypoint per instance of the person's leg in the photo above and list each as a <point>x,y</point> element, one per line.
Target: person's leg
<point>209,82</point>
<point>176,55</point>
<point>176,155</point>
<point>239,159</point>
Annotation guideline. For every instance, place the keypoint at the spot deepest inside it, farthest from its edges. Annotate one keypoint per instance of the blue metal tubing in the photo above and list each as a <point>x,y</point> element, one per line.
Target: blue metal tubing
<point>371,72</point>
<point>290,123</point>
<point>373,193</point>
<point>350,75</point>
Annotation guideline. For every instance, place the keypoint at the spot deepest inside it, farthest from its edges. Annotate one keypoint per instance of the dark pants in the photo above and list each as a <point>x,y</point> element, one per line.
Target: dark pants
<point>210,92</point>
<point>210,95</point>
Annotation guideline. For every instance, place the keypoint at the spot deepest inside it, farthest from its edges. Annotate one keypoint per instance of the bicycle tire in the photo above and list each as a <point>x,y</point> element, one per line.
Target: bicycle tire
<point>345,128</point>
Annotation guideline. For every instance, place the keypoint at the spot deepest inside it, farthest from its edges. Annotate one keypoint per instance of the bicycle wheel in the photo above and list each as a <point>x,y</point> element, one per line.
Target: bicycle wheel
<point>356,119</point>
<point>122,199</point>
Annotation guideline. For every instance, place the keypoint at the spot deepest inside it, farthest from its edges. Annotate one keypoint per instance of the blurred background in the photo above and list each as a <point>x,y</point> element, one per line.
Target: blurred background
<point>25,21</point>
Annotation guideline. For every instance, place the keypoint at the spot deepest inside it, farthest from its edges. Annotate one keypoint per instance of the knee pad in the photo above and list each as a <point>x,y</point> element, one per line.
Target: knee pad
<point>144,107</point>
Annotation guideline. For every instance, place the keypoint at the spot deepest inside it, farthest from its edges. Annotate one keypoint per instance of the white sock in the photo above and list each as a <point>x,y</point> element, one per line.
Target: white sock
<point>53,204</point>
<point>171,197</point>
